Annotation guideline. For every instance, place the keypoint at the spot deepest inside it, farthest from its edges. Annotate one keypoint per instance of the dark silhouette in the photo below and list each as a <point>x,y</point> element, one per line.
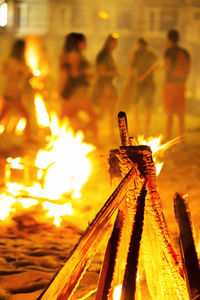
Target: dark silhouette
<point>141,79</point>
<point>104,94</point>
<point>75,75</point>
<point>16,73</point>
<point>177,66</point>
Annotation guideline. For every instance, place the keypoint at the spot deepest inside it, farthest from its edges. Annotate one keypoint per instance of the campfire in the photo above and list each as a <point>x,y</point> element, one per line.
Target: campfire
<point>134,212</point>
<point>56,175</point>
<point>131,223</point>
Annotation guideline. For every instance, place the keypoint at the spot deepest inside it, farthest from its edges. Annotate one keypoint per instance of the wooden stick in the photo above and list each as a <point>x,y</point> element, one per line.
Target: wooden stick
<point>123,129</point>
<point>189,255</point>
<point>129,282</point>
<point>108,267</point>
<point>65,281</point>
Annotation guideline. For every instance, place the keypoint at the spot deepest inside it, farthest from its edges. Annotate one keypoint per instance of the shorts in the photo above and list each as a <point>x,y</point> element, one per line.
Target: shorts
<point>144,91</point>
<point>174,97</point>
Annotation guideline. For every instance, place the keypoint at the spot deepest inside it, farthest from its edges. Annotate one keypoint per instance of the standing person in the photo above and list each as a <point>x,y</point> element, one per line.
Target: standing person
<point>141,74</point>
<point>16,73</point>
<point>104,94</point>
<point>75,79</point>
<point>177,66</point>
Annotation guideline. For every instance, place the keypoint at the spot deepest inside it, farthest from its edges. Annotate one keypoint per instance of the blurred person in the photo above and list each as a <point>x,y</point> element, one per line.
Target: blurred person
<point>16,73</point>
<point>74,79</point>
<point>177,67</point>
<point>104,94</point>
<point>141,77</point>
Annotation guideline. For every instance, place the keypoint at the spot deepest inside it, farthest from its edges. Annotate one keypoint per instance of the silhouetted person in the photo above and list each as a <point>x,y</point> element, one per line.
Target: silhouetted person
<point>141,74</point>
<point>177,66</point>
<point>74,78</point>
<point>104,94</point>
<point>16,73</point>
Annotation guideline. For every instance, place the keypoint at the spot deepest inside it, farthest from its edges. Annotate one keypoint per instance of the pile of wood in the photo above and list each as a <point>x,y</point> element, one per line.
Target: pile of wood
<point>132,224</point>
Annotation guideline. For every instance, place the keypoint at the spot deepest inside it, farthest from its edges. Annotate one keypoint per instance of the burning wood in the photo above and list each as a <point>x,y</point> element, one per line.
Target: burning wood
<point>135,165</point>
<point>64,283</point>
<point>188,252</point>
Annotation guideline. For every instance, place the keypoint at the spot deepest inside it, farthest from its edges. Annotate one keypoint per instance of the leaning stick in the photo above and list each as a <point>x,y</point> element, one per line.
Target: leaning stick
<point>189,255</point>
<point>123,129</point>
<point>129,282</point>
<point>67,278</point>
<point>108,267</point>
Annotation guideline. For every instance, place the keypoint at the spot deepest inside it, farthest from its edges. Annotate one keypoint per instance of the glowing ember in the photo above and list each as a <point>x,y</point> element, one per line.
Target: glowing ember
<point>15,163</point>
<point>41,112</point>
<point>21,125</point>
<point>2,128</point>
<point>57,211</point>
<point>6,204</point>
<point>117,292</point>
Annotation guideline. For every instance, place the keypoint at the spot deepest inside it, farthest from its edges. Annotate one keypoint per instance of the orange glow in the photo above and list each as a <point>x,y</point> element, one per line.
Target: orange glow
<point>57,211</point>
<point>41,112</point>
<point>64,161</point>
<point>63,168</point>
<point>117,292</point>
<point>2,128</point>
<point>15,163</point>
<point>21,125</point>
<point>103,15</point>
<point>33,56</point>
<point>156,146</point>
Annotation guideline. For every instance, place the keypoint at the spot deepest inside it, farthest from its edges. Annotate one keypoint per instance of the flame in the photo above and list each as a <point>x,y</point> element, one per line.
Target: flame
<point>2,128</point>
<point>63,168</point>
<point>15,163</point>
<point>33,56</point>
<point>156,146</point>
<point>41,112</point>
<point>118,289</point>
<point>57,211</point>
<point>117,292</point>
<point>64,161</point>
<point>21,125</point>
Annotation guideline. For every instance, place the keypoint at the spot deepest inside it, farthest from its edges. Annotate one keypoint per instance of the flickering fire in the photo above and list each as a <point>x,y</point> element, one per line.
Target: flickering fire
<point>33,56</point>
<point>63,168</point>
<point>41,112</point>
<point>156,146</point>
<point>21,125</point>
<point>64,162</point>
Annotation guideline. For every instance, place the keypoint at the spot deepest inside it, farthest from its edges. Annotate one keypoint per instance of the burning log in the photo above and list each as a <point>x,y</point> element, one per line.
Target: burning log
<point>108,267</point>
<point>189,255</point>
<point>135,165</point>
<point>67,278</point>
<point>129,283</point>
<point>123,129</point>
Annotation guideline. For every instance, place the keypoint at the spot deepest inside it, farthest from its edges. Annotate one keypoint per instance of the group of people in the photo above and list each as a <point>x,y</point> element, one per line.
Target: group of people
<point>95,93</point>
<point>140,85</point>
